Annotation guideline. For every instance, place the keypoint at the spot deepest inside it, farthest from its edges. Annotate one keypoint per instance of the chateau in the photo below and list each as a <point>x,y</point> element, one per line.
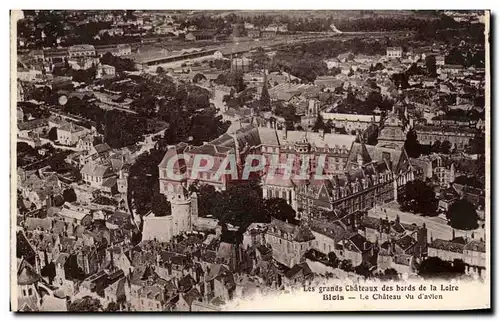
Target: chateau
<point>357,175</point>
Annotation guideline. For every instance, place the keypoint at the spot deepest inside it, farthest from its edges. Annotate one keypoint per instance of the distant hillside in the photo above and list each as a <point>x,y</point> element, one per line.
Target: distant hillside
<point>335,14</point>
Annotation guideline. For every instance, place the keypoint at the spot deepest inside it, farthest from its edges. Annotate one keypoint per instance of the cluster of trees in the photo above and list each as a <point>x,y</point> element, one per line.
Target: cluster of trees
<point>69,195</point>
<point>288,112</point>
<point>414,149</point>
<point>396,23</point>
<point>86,304</point>
<point>362,21</point>
<point>466,58</point>
<point>120,64</point>
<point>462,215</point>
<point>26,154</point>
<point>44,94</point>
<point>320,124</point>
<point>143,185</point>
<point>119,128</point>
<point>418,197</point>
<point>53,28</point>
<point>244,98</point>
<point>370,134</point>
<point>30,158</point>
<point>185,107</point>
<point>220,64</point>
<point>86,76</point>
<point>242,204</point>
<point>388,274</point>
<point>352,104</point>
<point>300,63</point>
<point>434,267</point>
<point>232,79</point>
<point>104,200</point>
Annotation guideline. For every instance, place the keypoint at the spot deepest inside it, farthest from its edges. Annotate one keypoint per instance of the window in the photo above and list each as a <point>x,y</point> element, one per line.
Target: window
<point>24,292</point>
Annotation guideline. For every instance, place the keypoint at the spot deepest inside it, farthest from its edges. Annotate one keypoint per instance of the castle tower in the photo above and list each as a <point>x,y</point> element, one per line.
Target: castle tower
<point>181,213</point>
<point>194,208</point>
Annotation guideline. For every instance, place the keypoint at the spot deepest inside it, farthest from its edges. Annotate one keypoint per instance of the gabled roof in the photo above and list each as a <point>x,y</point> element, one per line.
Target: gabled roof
<point>102,148</point>
<point>297,269</point>
<point>33,223</point>
<point>406,242</point>
<point>333,230</point>
<point>359,242</point>
<point>72,214</point>
<point>298,233</point>
<point>109,182</point>
<point>98,170</point>
<point>26,274</point>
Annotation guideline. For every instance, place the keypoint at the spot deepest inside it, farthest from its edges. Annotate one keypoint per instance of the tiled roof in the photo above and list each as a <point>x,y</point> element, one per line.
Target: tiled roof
<point>26,274</point>
<point>298,233</point>
<point>447,246</point>
<point>476,246</point>
<point>96,170</point>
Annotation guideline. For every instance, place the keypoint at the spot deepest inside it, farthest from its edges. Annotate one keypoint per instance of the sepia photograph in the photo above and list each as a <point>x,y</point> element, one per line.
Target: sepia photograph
<point>250,160</point>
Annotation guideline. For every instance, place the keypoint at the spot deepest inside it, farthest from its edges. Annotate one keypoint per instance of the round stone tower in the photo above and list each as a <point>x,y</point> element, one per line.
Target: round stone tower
<point>181,213</point>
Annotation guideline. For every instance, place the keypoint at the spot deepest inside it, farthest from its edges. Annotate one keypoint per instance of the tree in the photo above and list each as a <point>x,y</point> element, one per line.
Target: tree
<point>199,77</point>
<point>53,134</point>
<point>418,197</point>
<point>160,205</point>
<point>445,147</point>
<point>241,204</point>
<point>430,63</point>
<point>370,135</point>
<point>346,265</point>
<point>160,70</point>
<point>363,269</point>
<point>319,124</point>
<point>280,209</point>
<point>143,182</point>
<point>265,99</point>
<point>69,195</point>
<point>436,147</point>
<point>391,274</point>
<point>412,146</point>
<point>85,304</point>
<point>333,259</point>
<point>455,57</point>
<point>97,140</point>
<point>434,267</point>
<point>112,307</point>
<point>462,215</point>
